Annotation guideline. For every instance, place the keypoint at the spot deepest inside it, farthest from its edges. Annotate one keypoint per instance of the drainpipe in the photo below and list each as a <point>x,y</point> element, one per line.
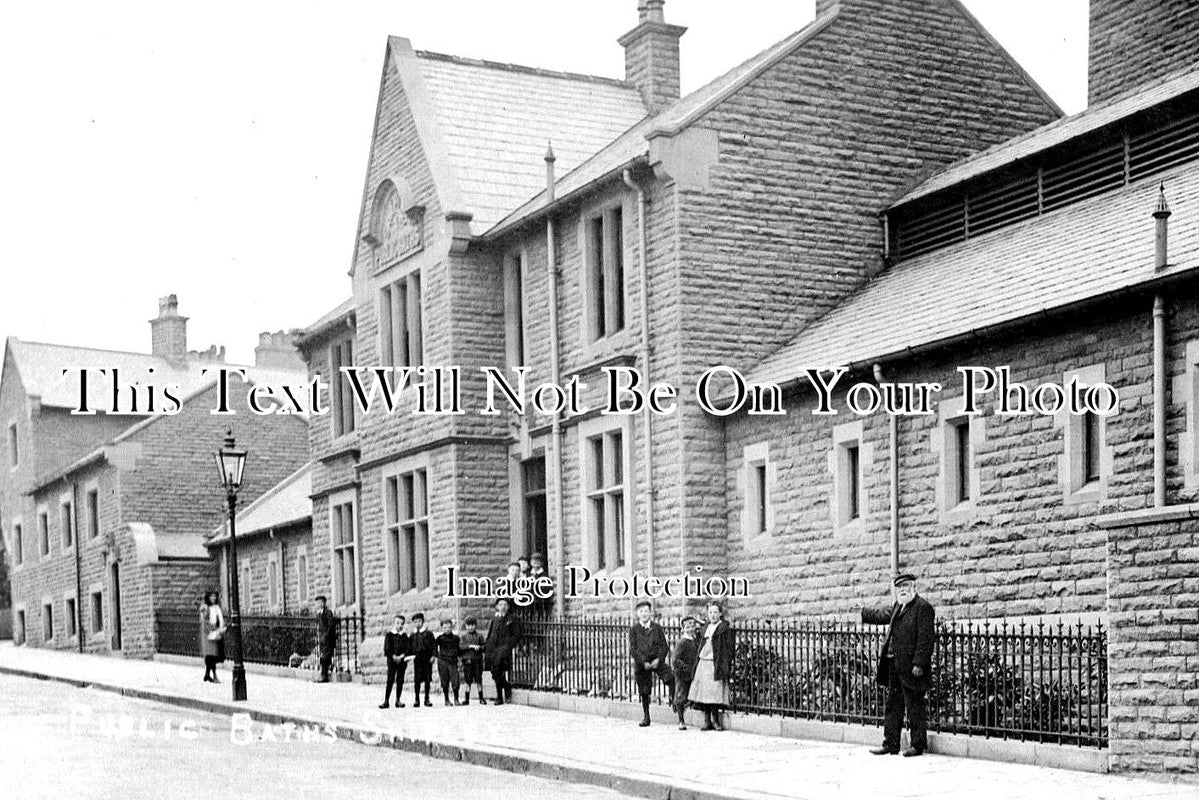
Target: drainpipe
<point>1161,215</point>
<point>894,461</point>
<point>647,414</point>
<point>551,271</point>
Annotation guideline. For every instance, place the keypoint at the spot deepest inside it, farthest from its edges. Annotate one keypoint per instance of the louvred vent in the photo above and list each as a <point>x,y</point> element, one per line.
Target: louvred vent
<point>1141,147</point>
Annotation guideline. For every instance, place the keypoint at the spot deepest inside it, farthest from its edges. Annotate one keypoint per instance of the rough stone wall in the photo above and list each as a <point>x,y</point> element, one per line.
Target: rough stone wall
<point>1132,42</point>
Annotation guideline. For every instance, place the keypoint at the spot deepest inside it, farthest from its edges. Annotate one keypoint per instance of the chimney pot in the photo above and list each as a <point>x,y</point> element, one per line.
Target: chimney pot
<point>1162,216</point>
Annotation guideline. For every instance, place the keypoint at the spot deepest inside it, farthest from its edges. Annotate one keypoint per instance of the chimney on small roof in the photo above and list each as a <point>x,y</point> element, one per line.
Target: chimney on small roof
<point>278,351</point>
<point>651,55</point>
<point>168,331</point>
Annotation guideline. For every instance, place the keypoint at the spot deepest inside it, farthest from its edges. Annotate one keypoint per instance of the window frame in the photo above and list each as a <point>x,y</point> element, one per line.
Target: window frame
<point>96,595</point>
<point>604,280</point>
<point>274,591</point>
<point>410,306</point>
<point>1072,468</point>
<point>516,343</point>
<point>247,585</point>
<point>343,551</point>
<point>849,500</point>
<point>401,522</point>
<point>66,521</point>
<point>618,537</point>
<point>342,409</point>
<point>303,566</point>
<point>44,549</point>
<point>92,490</point>
<point>952,430</point>
<point>17,526</point>
<point>47,620</point>
<point>72,619</point>
<point>757,485</point>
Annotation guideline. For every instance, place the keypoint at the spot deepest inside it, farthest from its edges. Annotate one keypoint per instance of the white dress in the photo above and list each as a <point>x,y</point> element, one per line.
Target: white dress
<point>705,689</point>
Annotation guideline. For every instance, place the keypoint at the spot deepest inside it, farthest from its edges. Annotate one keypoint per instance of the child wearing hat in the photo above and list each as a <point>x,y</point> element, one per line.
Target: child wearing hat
<point>683,661</point>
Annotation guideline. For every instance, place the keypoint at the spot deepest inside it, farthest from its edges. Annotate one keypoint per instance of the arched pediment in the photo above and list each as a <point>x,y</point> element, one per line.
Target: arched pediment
<point>396,226</point>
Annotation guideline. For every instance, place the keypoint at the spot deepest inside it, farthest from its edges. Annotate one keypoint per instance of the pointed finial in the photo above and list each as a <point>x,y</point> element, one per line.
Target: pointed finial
<point>549,151</point>
<point>1163,208</point>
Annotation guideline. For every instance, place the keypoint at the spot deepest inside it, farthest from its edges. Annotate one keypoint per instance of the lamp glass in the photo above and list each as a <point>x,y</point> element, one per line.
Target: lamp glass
<point>232,463</point>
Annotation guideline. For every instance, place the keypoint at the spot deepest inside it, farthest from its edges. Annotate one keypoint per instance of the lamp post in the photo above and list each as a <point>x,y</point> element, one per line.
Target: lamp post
<point>232,462</point>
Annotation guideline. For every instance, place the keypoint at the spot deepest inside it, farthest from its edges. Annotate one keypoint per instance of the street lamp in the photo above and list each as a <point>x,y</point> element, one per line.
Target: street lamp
<point>232,462</point>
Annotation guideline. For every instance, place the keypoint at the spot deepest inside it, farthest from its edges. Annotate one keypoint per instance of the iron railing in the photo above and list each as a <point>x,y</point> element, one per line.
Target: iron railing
<point>266,639</point>
<point>1031,682</point>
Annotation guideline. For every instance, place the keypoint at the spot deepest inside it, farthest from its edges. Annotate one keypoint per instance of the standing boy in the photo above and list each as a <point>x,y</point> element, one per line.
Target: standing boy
<point>424,646</point>
<point>686,655</point>
<point>649,653</point>
<point>502,638</point>
<point>395,651</point>
<point>471,645</point>
<point>448,651</point>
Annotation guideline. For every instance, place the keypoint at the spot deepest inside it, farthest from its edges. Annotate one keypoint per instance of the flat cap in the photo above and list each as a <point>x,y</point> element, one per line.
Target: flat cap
<point>904,577</point>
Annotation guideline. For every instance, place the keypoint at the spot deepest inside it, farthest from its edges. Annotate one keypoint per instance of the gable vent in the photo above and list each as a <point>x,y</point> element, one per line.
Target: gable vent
<point>1140,147</point>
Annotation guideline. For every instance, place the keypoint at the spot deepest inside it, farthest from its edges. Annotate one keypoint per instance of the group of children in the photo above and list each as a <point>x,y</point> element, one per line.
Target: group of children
<point>696,671</point>
<point>421,647</point>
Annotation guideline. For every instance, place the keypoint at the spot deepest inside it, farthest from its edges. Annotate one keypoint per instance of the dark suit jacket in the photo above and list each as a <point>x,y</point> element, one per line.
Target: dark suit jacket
<point>424,645</point>
<point>723,646</point>
<point>326,632</point>
<point>686,656</point>
<point>502,637</point>
<point>449,648</point>
<point>912,636</point>
<point>647,644</point>
<point>395,644</point>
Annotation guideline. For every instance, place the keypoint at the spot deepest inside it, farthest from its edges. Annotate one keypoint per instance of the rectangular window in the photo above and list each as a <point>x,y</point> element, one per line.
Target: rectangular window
<point>1090,447</point>
<point>66,519</point>
<point>302,575</point>
<point>341,354</point>
<point>72,617</point>
<point>97,612</point>
<point>605,498</point>
<point>247,586</point>
<point>43,531</point>
<point>47,622</point>
<point>92,502</point>
<point>755,479</point>
<point>14,452</point>
<point>853,482</point>
<point>345,569</point>
<point>961,445</point>
<point>535,509</point>
<point>407,519</point>
<point>604,253</point>
<point>401,329</point>
<point>19,634</point>
<point>514,314</point>
<point>18,541</point>
<point>272,582</point>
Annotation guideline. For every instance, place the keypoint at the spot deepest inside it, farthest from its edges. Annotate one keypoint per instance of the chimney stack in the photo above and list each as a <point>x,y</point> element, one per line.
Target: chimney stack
<point>168,331</point>
<point>651,56</point>
<point>278,351</point>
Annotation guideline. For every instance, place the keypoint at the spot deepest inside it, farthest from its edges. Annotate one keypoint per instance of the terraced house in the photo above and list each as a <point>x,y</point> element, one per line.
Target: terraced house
<point>520,217</point>
<point>106,514</point>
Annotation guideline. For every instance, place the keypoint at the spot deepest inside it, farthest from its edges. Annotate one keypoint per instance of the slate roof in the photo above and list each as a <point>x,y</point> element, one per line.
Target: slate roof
<point>634,143</point>
<point>41,368</point>
<point>1082,251</point>
<point>327,322</point>
<point>285,503</point>
<point>497,119</point>
<point>1057,132</point>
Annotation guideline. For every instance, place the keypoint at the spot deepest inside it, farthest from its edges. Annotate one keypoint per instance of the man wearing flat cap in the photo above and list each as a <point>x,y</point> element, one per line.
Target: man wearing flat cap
<point>905,664</point>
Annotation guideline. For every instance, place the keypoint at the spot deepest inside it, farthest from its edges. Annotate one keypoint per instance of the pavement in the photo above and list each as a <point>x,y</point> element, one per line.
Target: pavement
<point>61,741</point>
<point>657,762</point>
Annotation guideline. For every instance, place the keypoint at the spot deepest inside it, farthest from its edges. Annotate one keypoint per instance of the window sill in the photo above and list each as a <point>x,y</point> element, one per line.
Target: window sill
<point>1087,494</point>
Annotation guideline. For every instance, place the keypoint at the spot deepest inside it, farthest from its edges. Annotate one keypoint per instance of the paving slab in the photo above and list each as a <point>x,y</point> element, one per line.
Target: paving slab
<point>659,761</point>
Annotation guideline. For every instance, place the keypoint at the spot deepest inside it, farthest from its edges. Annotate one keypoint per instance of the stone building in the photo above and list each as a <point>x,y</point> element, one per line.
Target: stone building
<point>105,514</point>
<point>274,549</point>
<point>521,217</point>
